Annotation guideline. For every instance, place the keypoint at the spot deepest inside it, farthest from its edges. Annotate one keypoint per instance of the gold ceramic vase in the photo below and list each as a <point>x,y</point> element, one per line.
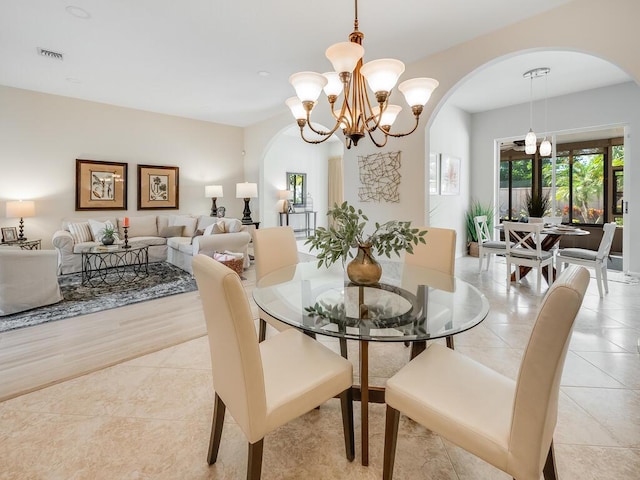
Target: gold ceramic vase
<point>364,269</point>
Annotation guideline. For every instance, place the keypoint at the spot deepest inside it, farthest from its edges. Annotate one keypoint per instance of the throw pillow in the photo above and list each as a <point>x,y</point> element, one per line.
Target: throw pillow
<point>232,225</point>
<point>174,231</point>
<point>97,229</point>
<point>81,232</point>
<point>219,227</point>
<point>209,229</point>
<point>186,221</point>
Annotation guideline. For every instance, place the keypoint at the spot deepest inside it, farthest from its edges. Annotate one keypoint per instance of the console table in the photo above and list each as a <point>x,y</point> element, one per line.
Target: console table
<point>25,244</point>
<point>308,216</point>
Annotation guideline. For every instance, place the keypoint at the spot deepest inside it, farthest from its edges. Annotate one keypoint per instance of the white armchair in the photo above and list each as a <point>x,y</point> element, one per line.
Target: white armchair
<point>28,279</point>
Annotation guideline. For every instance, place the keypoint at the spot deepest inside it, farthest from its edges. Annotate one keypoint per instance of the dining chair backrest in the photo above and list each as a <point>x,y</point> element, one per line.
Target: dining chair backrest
<point>482,229</point>
<point>235,355</point>
<point>437,253</point>
<point>538,383</point>
<point>274,248</point>
<point>609,230</point>
<point>524,238</point>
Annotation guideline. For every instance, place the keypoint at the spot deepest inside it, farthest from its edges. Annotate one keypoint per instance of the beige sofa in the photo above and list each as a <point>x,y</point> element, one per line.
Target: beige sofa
<point>172,238</point>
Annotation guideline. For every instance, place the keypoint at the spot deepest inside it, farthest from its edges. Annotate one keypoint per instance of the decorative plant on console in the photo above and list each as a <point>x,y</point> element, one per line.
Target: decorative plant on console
<point>348,232</point>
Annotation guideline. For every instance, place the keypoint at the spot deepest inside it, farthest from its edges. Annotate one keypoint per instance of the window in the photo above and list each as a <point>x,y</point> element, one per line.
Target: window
<point>589,178</point>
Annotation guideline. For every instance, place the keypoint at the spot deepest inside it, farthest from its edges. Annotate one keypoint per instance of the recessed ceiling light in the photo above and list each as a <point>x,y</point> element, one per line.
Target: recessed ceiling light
<point>78,12</point>
<point>263,73</point>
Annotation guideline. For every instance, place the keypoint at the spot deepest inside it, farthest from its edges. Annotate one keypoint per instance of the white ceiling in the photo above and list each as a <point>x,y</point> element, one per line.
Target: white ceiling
<point>201,58</point>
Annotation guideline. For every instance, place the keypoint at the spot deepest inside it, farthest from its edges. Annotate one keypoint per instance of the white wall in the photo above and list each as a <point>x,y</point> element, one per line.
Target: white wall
<point>450,133</point>
<point>290,154</point>
<point>42,135</point>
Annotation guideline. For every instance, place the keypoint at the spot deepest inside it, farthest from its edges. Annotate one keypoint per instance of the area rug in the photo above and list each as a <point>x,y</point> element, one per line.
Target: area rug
<point>164,279</point>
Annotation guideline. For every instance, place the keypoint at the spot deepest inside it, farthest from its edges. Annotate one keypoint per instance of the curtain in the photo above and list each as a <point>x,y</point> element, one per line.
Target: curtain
<point>336,182</point>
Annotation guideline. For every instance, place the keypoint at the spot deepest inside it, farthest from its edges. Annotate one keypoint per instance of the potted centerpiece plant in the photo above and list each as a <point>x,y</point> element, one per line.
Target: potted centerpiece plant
<point>537,206</point>
<point>475,210</point>
<point>347,232</point>
<point>108,234</point>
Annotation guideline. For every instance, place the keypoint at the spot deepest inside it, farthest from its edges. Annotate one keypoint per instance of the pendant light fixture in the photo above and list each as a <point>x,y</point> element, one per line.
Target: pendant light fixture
<point>545,146</point>
<point>530,140</point>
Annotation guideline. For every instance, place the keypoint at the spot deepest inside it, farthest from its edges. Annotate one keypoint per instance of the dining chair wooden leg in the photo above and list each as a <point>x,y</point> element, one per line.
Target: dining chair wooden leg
<point>346,402</point>
<point>390,441</point>
<point>549,471</point>
<point>216,429</point>
<point>254,465</point>
<point>450,342</point>
<point>417,348</point>
<point>262,333</point>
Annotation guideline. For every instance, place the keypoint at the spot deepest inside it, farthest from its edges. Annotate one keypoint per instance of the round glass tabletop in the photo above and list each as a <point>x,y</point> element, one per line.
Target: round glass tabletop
<point>409,304</point>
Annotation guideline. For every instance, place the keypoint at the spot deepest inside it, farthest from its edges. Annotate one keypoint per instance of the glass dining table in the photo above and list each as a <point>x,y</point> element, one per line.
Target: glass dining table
<point>411,304</point>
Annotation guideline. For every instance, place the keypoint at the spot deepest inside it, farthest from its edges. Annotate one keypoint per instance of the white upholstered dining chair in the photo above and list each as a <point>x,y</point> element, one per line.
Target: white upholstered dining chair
<point>273,248</point>
<point>263,385</point>
<point>437,253</point>
<point>526,250</point>
<point>487,246</point>
<point>596,259</point>
<point>507,423</point>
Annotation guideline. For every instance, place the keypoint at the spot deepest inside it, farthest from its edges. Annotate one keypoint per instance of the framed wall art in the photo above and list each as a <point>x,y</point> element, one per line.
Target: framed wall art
<point>9,234</point>
<point>449,175</point>
<point>434,174</point>
<point>158,187</point>
<point>101,185</point>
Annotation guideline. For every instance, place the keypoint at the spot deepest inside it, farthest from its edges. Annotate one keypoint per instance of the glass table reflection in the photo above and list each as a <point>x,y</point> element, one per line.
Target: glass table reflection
<point>410,304</point>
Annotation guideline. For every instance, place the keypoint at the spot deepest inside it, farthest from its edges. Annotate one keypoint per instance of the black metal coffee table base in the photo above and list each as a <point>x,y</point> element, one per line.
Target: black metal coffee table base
<point>110,267</point>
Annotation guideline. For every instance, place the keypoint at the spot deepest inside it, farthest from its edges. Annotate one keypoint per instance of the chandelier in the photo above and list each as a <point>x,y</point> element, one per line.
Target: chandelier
<point>356,116</point>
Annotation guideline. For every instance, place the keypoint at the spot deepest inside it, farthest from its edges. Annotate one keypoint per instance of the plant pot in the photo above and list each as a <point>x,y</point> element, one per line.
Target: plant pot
<point>106,240</point>
<point>474,250</point>
<point>364,269</point>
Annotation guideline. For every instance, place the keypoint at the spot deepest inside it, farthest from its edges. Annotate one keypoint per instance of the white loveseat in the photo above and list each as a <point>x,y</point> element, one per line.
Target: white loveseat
<point>172,238</point>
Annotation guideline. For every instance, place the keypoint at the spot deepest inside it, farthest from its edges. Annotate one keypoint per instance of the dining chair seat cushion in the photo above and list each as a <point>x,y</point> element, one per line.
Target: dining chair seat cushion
<point>579,253</point>
<point>299,374</point>
<point>480,399</point>
<point>495,244</point>
<point>523,253</point>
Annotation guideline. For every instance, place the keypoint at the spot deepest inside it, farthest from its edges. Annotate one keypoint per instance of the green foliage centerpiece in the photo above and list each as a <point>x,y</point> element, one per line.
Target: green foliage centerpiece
<point>348,232</point>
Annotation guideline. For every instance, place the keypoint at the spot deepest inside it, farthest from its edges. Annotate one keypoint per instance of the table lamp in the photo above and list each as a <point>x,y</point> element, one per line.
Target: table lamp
<point>286,196</point>
<point>213,192</point>
<point>247,191</point>
<point>21,209</point>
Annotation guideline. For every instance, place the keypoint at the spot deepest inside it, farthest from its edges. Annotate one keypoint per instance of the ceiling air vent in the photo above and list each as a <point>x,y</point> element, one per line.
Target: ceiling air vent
<point>50,54</point>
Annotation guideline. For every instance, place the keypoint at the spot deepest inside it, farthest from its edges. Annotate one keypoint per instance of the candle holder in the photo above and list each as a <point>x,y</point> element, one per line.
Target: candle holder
<point>126,237</point>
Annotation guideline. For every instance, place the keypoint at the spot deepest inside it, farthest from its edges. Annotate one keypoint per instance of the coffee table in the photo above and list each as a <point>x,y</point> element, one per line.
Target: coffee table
<point>114,265</point>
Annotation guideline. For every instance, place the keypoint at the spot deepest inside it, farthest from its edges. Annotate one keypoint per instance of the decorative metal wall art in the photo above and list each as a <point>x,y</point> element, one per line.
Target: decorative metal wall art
<point>380,177</point>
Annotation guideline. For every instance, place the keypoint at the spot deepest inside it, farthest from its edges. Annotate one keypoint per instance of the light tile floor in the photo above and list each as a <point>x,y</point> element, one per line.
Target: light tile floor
<point>150,417</point>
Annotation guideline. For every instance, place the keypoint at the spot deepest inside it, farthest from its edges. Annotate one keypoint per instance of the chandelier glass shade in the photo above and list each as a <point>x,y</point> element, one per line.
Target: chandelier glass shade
<point>358,114</point>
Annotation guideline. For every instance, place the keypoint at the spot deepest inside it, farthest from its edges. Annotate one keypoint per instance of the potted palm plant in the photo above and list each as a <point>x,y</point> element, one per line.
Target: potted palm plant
<point>347,232</point>
<point>477,209</point>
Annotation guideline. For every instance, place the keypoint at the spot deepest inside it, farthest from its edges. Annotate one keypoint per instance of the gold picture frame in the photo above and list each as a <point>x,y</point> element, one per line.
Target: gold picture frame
<point>101,185</point>
<point>158,187</point>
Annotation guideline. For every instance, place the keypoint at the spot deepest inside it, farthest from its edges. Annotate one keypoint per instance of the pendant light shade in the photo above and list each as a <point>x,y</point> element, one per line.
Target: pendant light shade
<point>530,140</point>
<point>530,143</point>
<point>545,148</point>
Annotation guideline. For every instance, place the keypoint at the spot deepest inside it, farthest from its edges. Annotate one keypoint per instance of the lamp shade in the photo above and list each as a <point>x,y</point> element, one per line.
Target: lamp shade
<point>21,209</point>
<point>308,85</point>
<point>334,84</point>
<point>296,107</point>
<point>388,115</point>
<point>417,91</point>
<point>246,190</point>
<point>382,75</point>
<point>545,148</point>
<point>213,191</point>
<point>344,56</point>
